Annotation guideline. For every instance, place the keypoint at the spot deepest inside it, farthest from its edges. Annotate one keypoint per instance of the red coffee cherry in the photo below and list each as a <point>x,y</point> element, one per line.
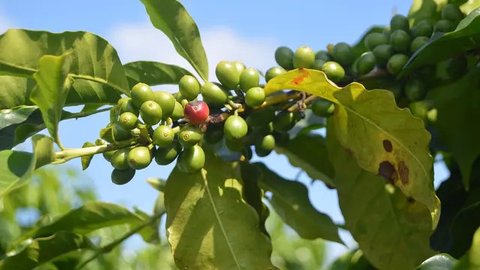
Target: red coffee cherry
<point>197,112</point>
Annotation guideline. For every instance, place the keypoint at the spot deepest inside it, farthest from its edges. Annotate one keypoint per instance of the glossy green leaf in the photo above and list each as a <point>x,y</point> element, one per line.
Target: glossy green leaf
<point>154,73</point>
<point>471,260</point>
<point>96,68</point>
<point>290,201</point>
<point>209,224</point>
<point>352,260</point>
<point>465,37</point>
<point>16,115</point>
<point>309,152</point>
<point>469,5</point>
<point>438,262</point>
<point>383,138</point>
<point>44,249</point>
<point>424,10</point>
<point>16,167</point>
<point>52,90</point>
<point>459,100</point>
<point>174,21</point>
<point>87,218</point>
<point>391,229</point>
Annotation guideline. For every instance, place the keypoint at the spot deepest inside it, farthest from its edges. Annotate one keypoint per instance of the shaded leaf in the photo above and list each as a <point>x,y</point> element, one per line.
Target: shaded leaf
<point>16,167</point>
<point>45,249</point>
<point>443,46</point>
<point>290,201</point>
<point>352,260</point>
<point>391,229</point>
<point>383,138</point>
<point>85,160</point>
<point>309,152</point>
<point>209,224</point>
<point>455,101</point>
<point>438,262</point>
<point>173,20</point>
<point>154,73</point>
<point>16,115</point>
<point>52,90</point>
<point>96,68</point>
<point>89,217</point>
<point>471,260</point>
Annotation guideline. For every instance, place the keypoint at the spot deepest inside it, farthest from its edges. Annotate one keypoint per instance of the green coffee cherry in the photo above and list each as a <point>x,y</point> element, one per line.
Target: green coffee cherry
<point>151,112</point>
<point>189,136</point>
<point>318,64</point>
<point>366,62</point>
<point>334,71</point>
<point>119,133</point>
<point>119,159</point>
<point>415,90</point>
<point>322,107</point>
<point>166,102</point>
<point>400,41</point>
<point>382,54</point>
<point>456,67</point>
<point>189,87</point>
<point>255,96</point>
<point>267,142</point>
<point>372,40</point>
<point>191,160</point>
<point>396,63</point>
<point>125,104</point>
<point>213,94</point>
<point>342,53</point>
<point>249,78</point>
<point>322,55</point>
<point>284,57</point>
<point>166,155</point>
<point>139,157</point>
<point>163,136</point>
<point>108,155</point>
<point>121,177</point>
<point>235,127</point>
<point>141,92</point>
<point>417,43</point>
<point>303,57</point>
<point>284,121</point>
<point>422,29</point>
<point>228,74</point>
<point>261,117</point>
<point>239,66</point>
<point>274,72</point>
<point>128,120</point>
<point>444,26</point>
<point>452,13</point>
<point>399,22</point>
<point>177,111</point>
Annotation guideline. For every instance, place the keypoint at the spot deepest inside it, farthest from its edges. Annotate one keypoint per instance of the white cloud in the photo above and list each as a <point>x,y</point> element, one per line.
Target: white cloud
<point>143,42</point>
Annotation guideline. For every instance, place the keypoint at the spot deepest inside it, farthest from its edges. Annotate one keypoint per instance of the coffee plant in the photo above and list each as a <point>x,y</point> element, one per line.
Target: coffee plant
<point>403,97</point>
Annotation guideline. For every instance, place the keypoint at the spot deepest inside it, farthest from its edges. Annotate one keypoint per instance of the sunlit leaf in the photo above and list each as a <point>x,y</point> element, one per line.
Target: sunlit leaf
<point>52,90</point>
<point>391,229</point>
<point>154,73</point>
<point>174,21</point>
<point>16,167</point>
<point>209,224</point>
<point>291,201</point>
<point>96,68</point>
<point>438,262</point>
<point>44,249</point>
<point>384,139</point>
<point>424,10</point>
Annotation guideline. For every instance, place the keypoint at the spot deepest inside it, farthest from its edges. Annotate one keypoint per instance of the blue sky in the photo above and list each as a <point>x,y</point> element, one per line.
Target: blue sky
<point>247,30</point>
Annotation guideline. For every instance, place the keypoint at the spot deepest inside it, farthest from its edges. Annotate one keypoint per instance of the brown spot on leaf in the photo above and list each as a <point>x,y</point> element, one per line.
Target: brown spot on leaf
<point>403,172</point>
<point>387,145</point>
<point>299,79</point>
<point>387,171</point>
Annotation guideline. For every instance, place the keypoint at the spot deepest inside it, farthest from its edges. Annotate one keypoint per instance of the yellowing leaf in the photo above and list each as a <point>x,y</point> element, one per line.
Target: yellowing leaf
<point>384,139</point>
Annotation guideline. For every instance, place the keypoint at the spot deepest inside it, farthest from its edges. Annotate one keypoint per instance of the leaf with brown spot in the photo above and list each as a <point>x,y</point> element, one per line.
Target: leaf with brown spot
<point>363,120</point>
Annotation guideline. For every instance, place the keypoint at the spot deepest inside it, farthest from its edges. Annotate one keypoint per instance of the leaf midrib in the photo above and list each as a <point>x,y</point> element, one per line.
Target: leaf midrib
<point>217,217</point>
<point>73,75</point>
